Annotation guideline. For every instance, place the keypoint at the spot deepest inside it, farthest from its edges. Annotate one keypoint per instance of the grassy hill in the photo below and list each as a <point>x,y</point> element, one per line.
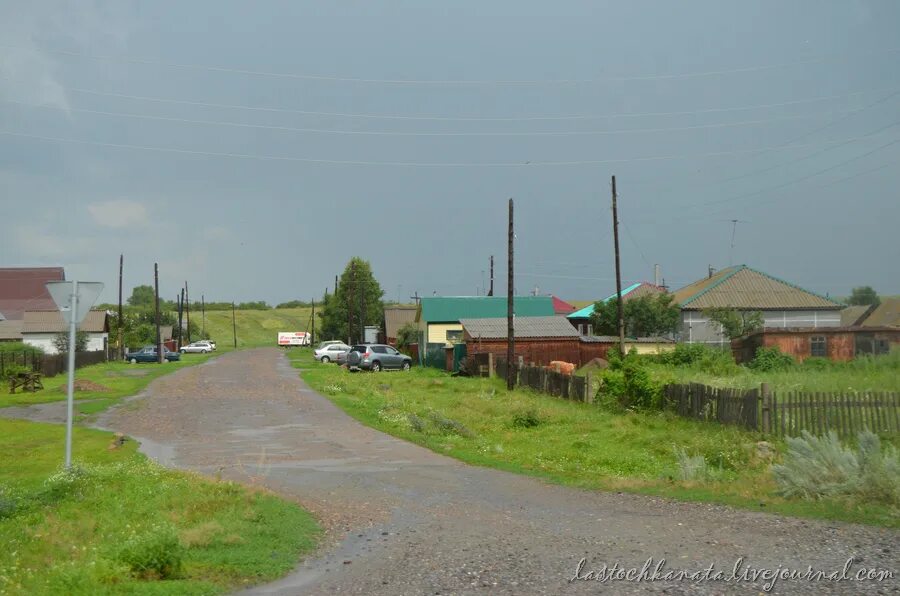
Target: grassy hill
<point>254,327</point>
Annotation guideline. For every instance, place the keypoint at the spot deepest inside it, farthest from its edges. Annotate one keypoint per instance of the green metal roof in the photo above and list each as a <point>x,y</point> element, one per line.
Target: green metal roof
<point>450,309</point>
<point>587,311</point>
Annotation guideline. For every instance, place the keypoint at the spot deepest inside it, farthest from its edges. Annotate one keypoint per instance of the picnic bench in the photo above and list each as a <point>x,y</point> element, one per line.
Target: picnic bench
<point>27,381</point>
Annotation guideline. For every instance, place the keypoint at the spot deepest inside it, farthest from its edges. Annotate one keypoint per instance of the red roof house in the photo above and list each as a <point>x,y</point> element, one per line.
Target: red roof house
<point>22,288</point>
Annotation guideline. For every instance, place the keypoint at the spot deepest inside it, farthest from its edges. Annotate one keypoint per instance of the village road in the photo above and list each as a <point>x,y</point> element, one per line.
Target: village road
<point>401,519</point>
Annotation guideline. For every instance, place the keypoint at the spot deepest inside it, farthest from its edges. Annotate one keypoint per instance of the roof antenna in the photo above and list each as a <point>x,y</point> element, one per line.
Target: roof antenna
<point>734,223</point>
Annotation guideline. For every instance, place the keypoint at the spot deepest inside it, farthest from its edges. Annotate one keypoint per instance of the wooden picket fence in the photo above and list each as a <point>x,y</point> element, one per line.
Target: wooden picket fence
<point>545,380</point>
<point>787,414</point>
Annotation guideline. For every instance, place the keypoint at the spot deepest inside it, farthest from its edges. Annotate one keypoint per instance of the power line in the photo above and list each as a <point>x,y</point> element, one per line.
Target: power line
<point>417,133</point>
<point>519,164</point>
<point>461,119</point>
<point>339,79</point>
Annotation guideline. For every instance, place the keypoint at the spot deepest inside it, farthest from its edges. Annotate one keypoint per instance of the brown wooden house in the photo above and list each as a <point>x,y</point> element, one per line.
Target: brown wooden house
<point>835,343</point>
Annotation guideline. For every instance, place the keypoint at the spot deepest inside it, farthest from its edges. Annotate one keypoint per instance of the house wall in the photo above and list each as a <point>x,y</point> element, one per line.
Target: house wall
<point>540,351</point>
<point>840,344</point>
<point>96,341</point>
<point>437,332</point>
<point>697,328</point>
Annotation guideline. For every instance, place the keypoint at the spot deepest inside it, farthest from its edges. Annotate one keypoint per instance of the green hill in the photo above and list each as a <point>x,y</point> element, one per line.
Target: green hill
<point>254,327</point>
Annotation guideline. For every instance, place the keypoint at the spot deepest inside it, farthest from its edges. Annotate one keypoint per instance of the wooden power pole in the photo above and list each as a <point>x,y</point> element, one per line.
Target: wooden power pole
<point>491,291</point>
<point>187,310</point>
<point>233,325</point>
<point>349,304</point>
<point>181,319</point>
<point>510,311</point>
<point>312,331</point>
<point>159,347</point>
<point>202,316</point>
<point>619,307</point>
<point>121,322</point>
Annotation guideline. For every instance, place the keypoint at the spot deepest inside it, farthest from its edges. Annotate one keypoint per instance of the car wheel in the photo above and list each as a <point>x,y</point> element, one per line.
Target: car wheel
<point>182,351</point>
<point>405,367</point>
<point>133,361</point>
<point>376,366</point>
<point>204,351</point>
<point>326,359</point>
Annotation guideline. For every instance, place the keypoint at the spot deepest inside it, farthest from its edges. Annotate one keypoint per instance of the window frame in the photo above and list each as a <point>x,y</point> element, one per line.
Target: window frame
<point>818,346</point>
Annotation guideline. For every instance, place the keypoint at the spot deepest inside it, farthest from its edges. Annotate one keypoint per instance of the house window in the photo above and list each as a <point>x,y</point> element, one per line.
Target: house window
<point>818,346</point>
<point>454,336</point>
<point>585,329</point>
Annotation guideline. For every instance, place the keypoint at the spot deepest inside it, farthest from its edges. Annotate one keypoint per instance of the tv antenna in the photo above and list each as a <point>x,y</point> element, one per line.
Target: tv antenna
<point>734,223</point>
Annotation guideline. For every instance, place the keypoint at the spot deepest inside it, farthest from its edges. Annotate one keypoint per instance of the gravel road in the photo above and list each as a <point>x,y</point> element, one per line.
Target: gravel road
<point>403,520</point>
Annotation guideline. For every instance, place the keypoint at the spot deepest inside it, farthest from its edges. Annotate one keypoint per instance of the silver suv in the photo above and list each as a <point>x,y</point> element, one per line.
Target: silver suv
<point>377,357</point>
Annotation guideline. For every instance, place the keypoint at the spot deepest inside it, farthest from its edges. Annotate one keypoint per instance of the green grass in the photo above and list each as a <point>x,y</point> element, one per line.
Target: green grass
<point>255,328</point>
<point>120,378</point>
<point>67,537</point>
<point>863,374</point>
<point>476,420</point>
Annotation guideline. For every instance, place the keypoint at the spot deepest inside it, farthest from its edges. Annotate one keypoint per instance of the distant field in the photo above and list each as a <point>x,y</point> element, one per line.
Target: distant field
<point>254,327</point>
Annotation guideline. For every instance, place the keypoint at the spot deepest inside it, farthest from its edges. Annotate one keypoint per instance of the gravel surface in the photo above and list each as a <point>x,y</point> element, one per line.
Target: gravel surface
<point>403,520</point>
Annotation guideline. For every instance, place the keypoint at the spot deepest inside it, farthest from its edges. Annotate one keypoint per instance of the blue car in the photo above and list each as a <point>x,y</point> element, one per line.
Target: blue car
<point>148,354</point>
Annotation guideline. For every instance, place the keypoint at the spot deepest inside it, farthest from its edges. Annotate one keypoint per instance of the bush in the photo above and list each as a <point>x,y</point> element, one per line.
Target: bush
<point>690,467</point>
<point>699,357</point>
<point>157,553</point>
<point>817,467</point>
<point>627,384</point>
<point>448,426</point>
<point>771,359</point>
<point>526,419</point>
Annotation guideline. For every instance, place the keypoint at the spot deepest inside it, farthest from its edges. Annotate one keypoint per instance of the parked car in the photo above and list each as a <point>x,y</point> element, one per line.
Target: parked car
<point>198,347</point>
<point>377,357</point>
<point>148,354</point>
<point>330,352</point>
<point>325,344</point>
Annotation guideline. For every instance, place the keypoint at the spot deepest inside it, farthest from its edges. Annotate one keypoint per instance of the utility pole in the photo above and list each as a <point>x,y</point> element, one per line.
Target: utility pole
<point>181,319</point>
<point>491,291</point>
<point>362,312</point>
<point>121,325</point>
<point>202,316</point>
<point>335,284</point>
<point>416,298</point>
<point>349,307</point>
<point>187,308</point>
<point>510,311</point>
<point>159,346</point>
<point>233,325</point>
<point>619,310</point>
<point>312,337</point>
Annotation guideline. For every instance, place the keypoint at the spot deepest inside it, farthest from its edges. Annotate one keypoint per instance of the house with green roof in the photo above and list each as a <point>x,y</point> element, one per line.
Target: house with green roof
<point>581,318</point>
<point>782,304</point>
<point>438,317</point>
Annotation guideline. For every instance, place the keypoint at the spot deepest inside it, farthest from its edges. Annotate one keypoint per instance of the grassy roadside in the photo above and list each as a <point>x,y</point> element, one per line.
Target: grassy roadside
<point>109,381</point>
<point>121,524</point>
<point>478,421</point>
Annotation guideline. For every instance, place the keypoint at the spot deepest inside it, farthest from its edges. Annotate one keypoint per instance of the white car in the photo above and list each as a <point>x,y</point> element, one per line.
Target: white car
<point>198,347</point>
<point>330,352</point>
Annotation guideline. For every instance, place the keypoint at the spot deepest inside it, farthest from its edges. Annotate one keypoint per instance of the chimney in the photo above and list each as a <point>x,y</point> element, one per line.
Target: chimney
<point>711,270</point>
<point>656,277</point>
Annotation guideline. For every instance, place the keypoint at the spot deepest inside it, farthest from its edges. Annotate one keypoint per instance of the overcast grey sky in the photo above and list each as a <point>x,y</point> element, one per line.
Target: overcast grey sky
<point>396,131</point>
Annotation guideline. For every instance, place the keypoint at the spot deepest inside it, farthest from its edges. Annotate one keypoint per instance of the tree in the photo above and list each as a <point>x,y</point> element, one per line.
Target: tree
<point>61,341</point>
<point>863,296</point>
<point>142,296</point>
<point>358,290</point>
<point>407,334</point>
<point>735,323</point>
<point>645,316</point>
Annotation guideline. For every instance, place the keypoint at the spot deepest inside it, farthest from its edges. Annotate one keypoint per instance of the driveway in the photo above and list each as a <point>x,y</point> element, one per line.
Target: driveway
<point>403,520</point>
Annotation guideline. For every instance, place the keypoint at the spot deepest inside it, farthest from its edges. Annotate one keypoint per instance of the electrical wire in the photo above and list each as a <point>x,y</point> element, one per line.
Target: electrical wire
<point>465,82</point>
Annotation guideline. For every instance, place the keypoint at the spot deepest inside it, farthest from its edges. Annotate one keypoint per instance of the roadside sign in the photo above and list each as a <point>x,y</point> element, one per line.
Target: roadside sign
<point>61,292</point>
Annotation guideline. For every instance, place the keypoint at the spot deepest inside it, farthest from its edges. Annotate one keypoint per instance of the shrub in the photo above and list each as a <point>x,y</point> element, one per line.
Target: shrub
<point>627,384</point>
<point>64,483</point>
<point>157,553</point>
<point>690,467</point>
<point>771,359</point>
<point>416,423</point>
<point>448,426</point>
<point>526,419</point>
<point>817,467</point>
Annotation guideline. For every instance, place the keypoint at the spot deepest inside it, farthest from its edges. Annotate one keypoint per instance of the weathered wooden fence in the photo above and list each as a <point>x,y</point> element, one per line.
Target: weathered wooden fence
<point>47,365</point>
<point>786,414</point>
<point>545,380</point>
